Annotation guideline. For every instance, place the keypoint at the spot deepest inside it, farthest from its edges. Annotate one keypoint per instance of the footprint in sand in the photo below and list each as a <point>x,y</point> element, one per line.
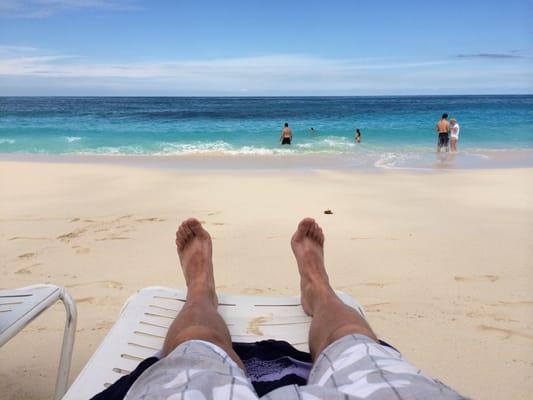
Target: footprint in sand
<point>27,270</point>
<point>376,307</point>
<point>477,278</point>
<point>81,250</point>
<point>518,303</point>
<point>374,284</point>
<point>112,237</point>
<point>113,284</point>
<point>116,227</point>
<point>506,332</point>
<point>68,237</point>
<point>26,256</point>
<point>27,238</point>
<point>152,219</point>
<point>104,325</point>
<point>108,284</point>
<point>89,300</point>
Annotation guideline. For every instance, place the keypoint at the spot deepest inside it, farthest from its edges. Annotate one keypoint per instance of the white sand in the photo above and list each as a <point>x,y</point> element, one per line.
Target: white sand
<point>442,262</point>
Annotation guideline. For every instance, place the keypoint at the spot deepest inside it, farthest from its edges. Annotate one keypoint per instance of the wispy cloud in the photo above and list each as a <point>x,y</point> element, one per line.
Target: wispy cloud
<point>46,8</point>
<point>27,67</point>
<point>26,61</point>
<point>493,56</point>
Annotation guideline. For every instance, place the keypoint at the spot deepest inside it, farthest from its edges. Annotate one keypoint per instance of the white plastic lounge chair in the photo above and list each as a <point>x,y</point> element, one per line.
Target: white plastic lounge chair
<point>145,318</point>
<point>18,307</point>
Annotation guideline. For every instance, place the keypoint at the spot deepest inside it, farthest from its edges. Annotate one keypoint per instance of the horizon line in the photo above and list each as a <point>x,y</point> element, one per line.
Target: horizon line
<point>278,96</point>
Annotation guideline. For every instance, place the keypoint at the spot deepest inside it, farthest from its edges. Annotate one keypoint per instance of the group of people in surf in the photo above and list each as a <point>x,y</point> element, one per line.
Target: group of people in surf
<point>448,134</point>
<point>286,134</point>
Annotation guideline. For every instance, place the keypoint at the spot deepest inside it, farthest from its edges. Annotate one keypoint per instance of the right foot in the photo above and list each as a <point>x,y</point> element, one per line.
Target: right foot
<point>195,252</point>
<point>308,247</point>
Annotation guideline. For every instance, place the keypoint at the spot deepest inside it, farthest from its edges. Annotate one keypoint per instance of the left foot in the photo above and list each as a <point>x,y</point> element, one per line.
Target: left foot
<point>195,252</point>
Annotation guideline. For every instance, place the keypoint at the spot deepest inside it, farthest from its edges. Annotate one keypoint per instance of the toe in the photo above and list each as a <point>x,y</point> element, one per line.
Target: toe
<point>312,230</point>
<point>316,230</point>
<point>303,228</point>
<point>320,235</point>
<point>183,235</point>
<point>196,227</point>
<point>187,230</point>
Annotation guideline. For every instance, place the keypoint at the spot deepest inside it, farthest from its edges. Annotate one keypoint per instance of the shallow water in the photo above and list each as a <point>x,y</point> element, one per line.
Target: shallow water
<point>397,131</point>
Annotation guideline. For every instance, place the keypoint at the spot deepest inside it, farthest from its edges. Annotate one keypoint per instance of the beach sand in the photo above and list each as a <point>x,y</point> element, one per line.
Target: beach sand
<point>441,261</point>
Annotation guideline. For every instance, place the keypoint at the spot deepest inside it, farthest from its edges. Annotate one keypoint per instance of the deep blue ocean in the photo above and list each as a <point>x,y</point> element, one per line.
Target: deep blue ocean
<point>248,125</point>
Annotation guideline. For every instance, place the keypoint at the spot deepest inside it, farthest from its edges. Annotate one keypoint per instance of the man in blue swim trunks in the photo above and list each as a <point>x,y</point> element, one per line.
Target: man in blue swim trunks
<point>349,363</point>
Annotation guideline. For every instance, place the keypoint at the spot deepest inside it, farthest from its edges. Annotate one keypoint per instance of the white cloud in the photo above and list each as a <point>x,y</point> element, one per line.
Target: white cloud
<point>46,8</point>
<point>22,67</point>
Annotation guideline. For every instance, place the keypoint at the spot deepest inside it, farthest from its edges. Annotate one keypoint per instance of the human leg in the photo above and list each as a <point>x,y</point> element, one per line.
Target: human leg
<point>199,318</point>
<point>198,359</point>
<point>332,319</point>
<point>349,362</point>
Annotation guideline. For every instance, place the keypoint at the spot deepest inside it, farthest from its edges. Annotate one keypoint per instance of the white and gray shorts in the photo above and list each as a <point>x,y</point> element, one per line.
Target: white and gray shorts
<point>353,367</point>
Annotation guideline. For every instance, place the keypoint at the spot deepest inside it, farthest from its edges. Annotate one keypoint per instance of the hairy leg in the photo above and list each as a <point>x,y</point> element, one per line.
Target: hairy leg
<point>199,318</point>
<point>332,319</point>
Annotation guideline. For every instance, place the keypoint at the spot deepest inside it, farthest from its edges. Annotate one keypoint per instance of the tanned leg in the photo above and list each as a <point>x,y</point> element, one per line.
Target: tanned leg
<point>199,318</point>
<point>331,318</point>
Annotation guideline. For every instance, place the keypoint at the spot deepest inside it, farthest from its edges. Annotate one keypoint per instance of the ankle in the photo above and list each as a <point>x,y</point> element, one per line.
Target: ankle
<point>317,295</point>
<point>201,292</point>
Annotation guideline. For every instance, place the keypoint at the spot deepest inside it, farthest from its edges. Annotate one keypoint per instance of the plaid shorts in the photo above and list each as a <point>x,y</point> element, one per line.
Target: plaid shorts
<point>353,367</point>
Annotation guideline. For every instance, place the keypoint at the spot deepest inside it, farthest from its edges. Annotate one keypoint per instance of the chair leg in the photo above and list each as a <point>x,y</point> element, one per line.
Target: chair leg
<point>68,343</point>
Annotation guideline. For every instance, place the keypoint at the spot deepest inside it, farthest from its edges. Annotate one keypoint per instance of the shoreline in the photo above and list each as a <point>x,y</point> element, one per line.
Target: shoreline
<point>216,161</point>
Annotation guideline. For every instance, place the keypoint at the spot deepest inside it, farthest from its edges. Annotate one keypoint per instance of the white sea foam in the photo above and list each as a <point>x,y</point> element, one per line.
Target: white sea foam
<point>336,142</point>
<point>260,151</point>
<point>400,160</point>
<point>304,145</point>
<point>218,147</point>
<point>113,151</point>
<point>7,140</point>
<point>169,148</point>
<point>71,139</point>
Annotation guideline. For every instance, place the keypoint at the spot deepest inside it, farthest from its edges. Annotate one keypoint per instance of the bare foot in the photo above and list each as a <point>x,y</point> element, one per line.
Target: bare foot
<point>308,247</point>
<point>195,252</point>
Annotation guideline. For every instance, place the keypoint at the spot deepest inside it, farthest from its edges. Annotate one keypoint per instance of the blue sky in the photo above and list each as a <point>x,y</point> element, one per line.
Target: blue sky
<point>186,47</point>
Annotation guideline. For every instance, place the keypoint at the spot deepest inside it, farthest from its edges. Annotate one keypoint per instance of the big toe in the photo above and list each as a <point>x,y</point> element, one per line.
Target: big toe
<point>196,228</point>
<point>303,229</point>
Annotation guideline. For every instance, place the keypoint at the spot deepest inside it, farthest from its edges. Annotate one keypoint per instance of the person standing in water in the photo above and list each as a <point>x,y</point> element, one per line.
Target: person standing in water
<point>443,128</point>
<point>286,135</point>
<point>357,136</point>
<point>454,134</point>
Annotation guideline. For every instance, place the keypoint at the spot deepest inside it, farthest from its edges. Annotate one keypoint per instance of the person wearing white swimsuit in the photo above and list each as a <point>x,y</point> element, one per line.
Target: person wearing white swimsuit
<point>454,134</point>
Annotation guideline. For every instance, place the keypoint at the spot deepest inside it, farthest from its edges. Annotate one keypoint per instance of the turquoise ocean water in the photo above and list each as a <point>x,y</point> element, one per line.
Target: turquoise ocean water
<point>394,128</point>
